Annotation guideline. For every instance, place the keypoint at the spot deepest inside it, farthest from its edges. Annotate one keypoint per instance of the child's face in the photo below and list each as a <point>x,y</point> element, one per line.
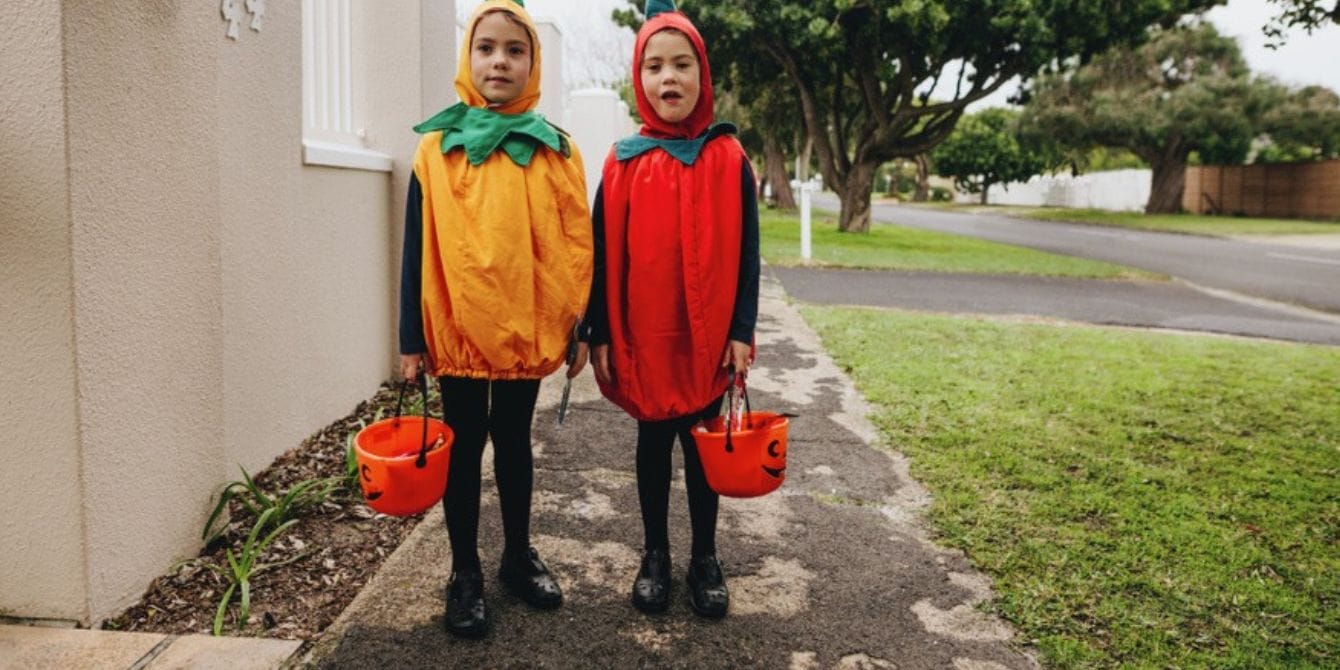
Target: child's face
<point>670,76</point>
<point>500,58</point>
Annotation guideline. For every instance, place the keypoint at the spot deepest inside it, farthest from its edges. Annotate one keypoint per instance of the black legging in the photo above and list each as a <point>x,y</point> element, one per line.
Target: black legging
<point>507,420</point>
<point>655,442</point>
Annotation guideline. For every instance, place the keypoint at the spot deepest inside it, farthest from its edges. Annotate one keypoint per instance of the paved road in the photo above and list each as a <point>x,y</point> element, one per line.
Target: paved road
<point>1139,304</point>
<point>835,571</point>
<point>1308,277</point>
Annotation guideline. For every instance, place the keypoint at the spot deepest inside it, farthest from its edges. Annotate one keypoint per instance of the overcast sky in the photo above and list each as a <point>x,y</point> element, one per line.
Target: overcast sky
<point>595,50</point>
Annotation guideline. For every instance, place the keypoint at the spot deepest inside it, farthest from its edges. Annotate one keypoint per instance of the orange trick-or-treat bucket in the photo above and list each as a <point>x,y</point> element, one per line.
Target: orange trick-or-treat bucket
<point>743,453</point>
<point>402,462</point>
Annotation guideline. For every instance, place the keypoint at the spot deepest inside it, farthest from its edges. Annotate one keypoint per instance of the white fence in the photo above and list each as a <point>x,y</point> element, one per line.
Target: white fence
<point>1117,190</point>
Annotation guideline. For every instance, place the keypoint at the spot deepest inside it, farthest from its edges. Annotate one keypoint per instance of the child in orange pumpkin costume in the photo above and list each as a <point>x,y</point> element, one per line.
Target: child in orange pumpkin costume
<point>497,265</point>
<point>675,295</point>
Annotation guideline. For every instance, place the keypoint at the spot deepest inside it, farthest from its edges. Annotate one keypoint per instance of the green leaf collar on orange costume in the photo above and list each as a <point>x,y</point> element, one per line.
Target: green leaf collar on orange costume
<point>480,132</point>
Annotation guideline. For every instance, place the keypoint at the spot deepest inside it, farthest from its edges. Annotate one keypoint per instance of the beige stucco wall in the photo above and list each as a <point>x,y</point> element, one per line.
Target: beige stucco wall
<point>42,574</point>
<point>306,256</point>
<point>141,87</point>
<point>188,294</point>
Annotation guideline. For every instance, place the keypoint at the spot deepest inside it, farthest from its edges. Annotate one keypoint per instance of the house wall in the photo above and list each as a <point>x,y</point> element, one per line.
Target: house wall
<point>41,524</point>
<point>189,295</point>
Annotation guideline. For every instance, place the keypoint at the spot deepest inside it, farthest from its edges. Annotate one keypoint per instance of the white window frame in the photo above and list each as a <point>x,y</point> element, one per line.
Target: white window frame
<point>332,134</point>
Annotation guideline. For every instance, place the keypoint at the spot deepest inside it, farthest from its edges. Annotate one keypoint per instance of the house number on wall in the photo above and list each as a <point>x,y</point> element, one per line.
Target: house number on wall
<point>232,13</point>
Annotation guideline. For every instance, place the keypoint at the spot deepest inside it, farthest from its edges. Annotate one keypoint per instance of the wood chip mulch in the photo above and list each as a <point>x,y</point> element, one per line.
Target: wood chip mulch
<point>341,544</point>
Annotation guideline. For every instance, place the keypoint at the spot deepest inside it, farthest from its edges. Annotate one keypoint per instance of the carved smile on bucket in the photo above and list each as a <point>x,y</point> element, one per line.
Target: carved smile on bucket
<point>367,477</point>
<point>775,473</point>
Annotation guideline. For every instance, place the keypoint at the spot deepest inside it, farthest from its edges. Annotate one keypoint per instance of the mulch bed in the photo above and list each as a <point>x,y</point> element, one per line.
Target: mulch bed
<point>341,542</point>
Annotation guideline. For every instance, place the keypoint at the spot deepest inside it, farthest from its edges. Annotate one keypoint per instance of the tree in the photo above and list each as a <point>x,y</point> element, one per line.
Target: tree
<point>1186,90</point>
<point>986,149</point>
<point>1303,126</point>
<point>1306,14</point>
<point>865,70</point>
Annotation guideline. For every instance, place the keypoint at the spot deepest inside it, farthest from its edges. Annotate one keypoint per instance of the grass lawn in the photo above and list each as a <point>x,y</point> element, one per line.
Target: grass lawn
<point>898,248</point>
<point>1221,226</point>
<point>1142,500</point>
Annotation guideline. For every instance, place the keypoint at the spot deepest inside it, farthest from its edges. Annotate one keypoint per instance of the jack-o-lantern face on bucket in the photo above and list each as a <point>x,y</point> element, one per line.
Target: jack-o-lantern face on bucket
<point>367,482</point>
<point>777,453</point>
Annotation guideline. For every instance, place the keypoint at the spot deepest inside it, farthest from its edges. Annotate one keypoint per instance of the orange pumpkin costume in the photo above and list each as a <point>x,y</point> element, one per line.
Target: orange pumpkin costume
<point>506,233</point>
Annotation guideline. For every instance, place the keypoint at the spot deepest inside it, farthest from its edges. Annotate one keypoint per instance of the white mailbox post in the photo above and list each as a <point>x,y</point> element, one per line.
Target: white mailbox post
<point>807,190</point>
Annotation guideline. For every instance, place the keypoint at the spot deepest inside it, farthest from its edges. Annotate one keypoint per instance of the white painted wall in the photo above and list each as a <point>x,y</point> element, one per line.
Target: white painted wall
<point>551,82</point>
<point>1115,190</point>
<point>597,118</point>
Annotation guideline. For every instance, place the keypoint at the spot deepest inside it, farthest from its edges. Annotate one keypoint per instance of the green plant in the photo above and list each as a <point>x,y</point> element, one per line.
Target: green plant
<point>350,479</point>
<point>302,495</point>
<point>243,567</point>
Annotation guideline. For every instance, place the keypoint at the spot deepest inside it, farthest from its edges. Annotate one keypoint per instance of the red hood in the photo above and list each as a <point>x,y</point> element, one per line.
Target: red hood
<point>701,118</point>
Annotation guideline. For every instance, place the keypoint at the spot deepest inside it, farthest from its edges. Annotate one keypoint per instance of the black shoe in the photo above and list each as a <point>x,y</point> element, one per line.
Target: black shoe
<point>651,589</point>
<point>527,578</point>
<point>466,614</point>
<point>707,588</point>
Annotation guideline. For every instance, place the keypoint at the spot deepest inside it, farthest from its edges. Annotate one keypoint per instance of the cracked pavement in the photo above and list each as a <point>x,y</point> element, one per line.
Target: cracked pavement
<point>834,570</point>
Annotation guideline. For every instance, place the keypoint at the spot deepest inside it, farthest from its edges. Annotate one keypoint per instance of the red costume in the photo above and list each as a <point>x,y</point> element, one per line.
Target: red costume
<point>673,219</point>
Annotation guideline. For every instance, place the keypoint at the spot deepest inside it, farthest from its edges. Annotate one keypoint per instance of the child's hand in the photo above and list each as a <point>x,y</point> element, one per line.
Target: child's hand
<point>600,362</point>
<point>579,363</point>
<point>737,356</point>
<point>410,365</point>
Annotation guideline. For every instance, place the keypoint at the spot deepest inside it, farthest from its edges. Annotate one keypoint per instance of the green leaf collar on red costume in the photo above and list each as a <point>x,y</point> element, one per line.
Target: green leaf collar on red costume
<point>685,151</point>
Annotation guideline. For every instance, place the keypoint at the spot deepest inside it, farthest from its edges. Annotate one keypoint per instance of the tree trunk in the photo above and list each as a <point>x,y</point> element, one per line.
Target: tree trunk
<point>1165,197</point>
<point>855,193</point>
<point>923,179</point>
<point>774,165</point>
<point>986,192</point>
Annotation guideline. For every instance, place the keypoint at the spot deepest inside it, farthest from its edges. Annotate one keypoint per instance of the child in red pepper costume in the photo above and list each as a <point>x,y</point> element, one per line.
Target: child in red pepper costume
<point>674,298</point>
<point>497,268</point>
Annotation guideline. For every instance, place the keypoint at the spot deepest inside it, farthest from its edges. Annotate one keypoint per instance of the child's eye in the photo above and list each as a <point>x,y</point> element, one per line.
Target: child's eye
<point>518,51</point>
<point>484,48</point>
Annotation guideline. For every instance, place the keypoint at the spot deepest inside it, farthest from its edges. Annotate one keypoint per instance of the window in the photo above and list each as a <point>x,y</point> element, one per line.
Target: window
<point>331,132</point>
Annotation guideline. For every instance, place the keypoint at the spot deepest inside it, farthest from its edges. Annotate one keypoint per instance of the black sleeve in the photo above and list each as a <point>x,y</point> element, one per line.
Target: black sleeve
<point>746,288</point>
<point>411,273</point>
<point>596,327</point>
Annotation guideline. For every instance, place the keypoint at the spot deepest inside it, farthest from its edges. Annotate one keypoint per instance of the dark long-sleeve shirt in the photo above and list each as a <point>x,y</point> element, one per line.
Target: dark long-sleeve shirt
<point>411,274</point>
<point>745,318</point>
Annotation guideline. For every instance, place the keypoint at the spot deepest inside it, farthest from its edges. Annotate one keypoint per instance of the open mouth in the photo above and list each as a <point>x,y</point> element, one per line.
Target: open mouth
<point>672,96</point>
<point>775,473</point>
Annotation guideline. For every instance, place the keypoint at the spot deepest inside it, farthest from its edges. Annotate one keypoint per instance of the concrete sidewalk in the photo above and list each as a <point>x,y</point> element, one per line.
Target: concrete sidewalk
<point>833,571</point>
<point>34,648</point>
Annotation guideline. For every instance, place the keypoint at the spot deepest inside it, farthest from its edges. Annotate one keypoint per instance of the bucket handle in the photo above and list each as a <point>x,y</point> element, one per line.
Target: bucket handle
<point>730,407</point>
<point>422,460</point>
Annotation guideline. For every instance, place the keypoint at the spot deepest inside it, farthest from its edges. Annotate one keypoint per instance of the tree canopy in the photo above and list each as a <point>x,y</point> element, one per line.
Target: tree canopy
<point>883,79</point>
<point>987,149</point>
<point>1187,90</point>
<point>1306,14</point>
